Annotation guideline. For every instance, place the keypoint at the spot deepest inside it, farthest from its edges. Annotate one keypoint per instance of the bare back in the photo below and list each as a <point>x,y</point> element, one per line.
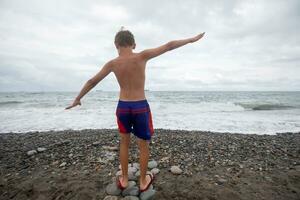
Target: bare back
<point>130,73</point>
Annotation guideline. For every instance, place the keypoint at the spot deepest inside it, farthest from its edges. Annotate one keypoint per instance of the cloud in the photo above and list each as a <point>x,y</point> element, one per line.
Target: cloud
<point>58,45</point>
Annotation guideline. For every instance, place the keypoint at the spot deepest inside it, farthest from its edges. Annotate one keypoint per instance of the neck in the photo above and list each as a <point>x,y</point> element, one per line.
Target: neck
<point>124,51</point>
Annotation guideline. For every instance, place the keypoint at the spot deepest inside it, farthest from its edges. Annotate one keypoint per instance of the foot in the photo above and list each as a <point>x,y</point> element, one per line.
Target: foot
<point>122,182</point>
<point>148,181</point>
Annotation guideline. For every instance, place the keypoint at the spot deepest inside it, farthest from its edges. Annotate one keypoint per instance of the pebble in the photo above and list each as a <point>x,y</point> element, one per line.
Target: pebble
<point>119,173</point>
<point>109,197</point>
<point>138,173</point>
<point>41,149</point>
<point>63,164</point>
<point>152,164</point>
<point>131,190</point>
<point>112,189</point>
<point>131,176</point>
<point>148,194</point>
<point>130,198</point>
<point>136,165</point>
<point>96,144</point>
<point>221,181</point>
<point>111,148</point>
<point>31,152</point>
<point>155,171</point>
<point>176,170</point>
<point>132,169</point>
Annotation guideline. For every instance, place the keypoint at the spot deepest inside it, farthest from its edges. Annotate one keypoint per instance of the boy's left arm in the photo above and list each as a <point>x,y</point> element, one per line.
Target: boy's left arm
<point>106,69</point>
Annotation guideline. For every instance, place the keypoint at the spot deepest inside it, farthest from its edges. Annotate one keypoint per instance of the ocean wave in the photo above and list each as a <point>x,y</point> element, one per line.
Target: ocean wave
<point>5,103</point>
<point>265,106</point>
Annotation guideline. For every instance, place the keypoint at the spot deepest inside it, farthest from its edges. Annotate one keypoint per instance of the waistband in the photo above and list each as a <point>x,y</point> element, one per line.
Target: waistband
<point>138,101</point>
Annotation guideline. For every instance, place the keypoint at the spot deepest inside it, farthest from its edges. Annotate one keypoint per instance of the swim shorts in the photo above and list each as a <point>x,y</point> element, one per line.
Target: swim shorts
<point>135,117</point>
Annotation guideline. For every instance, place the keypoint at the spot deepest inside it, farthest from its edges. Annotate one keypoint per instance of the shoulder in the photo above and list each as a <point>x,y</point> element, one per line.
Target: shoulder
<point>109,64</point>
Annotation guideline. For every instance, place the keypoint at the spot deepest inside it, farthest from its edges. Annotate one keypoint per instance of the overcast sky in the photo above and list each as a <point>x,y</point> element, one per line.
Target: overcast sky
<point>54,45</point>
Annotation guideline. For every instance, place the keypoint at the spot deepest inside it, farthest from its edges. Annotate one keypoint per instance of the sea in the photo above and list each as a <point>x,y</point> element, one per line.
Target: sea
<point>234,112</point>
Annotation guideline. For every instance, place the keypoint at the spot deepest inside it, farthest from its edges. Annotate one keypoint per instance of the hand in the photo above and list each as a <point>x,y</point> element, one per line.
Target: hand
<point>198,37</point>
<point>75,103</point>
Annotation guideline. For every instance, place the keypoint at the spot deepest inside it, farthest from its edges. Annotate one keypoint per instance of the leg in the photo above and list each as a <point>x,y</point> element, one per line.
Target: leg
<point>144,156</point>
<point>124,147</point>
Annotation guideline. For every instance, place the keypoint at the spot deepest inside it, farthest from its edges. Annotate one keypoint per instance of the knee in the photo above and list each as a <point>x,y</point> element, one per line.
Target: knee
<point>143,144</point>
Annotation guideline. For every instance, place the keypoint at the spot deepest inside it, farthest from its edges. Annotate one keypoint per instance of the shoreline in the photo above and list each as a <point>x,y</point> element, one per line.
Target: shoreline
<point>215,165</point>
<point>156,129</point>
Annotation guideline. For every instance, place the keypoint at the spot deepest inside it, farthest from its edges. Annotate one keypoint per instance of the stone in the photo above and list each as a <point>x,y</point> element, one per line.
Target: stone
<point>109,197</point>
<point>130,198</point>
<point>31,152</point>
<point>110,148</point>
<point>96,144</point>
<point>152,164</point>
<point>112,189</point>
<point>132,169</point>
<point>221,181</point>
<point>175,170</point>
<point>165,159</point>
<point>63,164</point>
<point>119,173</point>
<point>110,157</point>
<point>155,171</point>
<point>131,176</point>
<point>131,189</point>
<point>148,194</point>
<point>136,165</point>
<point>138,173</point>
<point>41,149</point>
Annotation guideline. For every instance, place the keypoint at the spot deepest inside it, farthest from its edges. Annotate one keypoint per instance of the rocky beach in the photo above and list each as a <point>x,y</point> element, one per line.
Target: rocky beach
<point>198,165</point>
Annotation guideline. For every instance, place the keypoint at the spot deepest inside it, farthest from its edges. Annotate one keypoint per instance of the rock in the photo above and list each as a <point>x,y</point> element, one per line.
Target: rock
<point>131,176</point>
<point>130,198</point>
<point>109,197</point>
<point>131,190</point>
<point>112,189</point>
<point>164,159</point>
<point>41,149</point>
<point>63,164</point>
<point>152,164</point>
<point>96,144</point>
<point>119,173</point>
<point>132,169</point>
<point>221,181</point>
<point>63,142</point>
<point>176,170</point>
<point>110,155</point>
<point>31,152</point>
<point>155,171</point>
<point>138,173</point>
<point>148,194</point>
<point>111,148</point>
<point>136,165</point>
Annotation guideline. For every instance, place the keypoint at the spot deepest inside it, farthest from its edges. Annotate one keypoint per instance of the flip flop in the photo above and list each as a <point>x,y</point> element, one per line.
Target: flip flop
<point>120,186</point>
<point>151,181</point>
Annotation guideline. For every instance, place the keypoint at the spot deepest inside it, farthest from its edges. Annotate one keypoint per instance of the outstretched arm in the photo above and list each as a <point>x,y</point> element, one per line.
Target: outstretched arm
<point>151,53</point>
<point>106,69</point>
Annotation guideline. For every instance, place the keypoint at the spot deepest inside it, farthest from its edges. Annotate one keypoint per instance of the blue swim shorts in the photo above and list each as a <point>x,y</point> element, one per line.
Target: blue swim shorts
<point>135,117</point>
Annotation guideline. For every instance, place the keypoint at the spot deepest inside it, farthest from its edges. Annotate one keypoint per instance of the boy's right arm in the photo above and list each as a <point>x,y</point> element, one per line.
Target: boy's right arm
<point>151,53</point>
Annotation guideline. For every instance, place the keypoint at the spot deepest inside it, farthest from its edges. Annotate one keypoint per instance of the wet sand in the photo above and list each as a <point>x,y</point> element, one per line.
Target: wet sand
<point>80,164</point>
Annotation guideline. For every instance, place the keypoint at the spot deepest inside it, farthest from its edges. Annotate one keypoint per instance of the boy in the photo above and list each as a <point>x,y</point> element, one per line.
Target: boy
<point>133,111</point>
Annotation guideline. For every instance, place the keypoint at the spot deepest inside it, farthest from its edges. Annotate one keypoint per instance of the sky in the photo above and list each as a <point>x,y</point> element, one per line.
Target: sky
<point>54,45</point>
